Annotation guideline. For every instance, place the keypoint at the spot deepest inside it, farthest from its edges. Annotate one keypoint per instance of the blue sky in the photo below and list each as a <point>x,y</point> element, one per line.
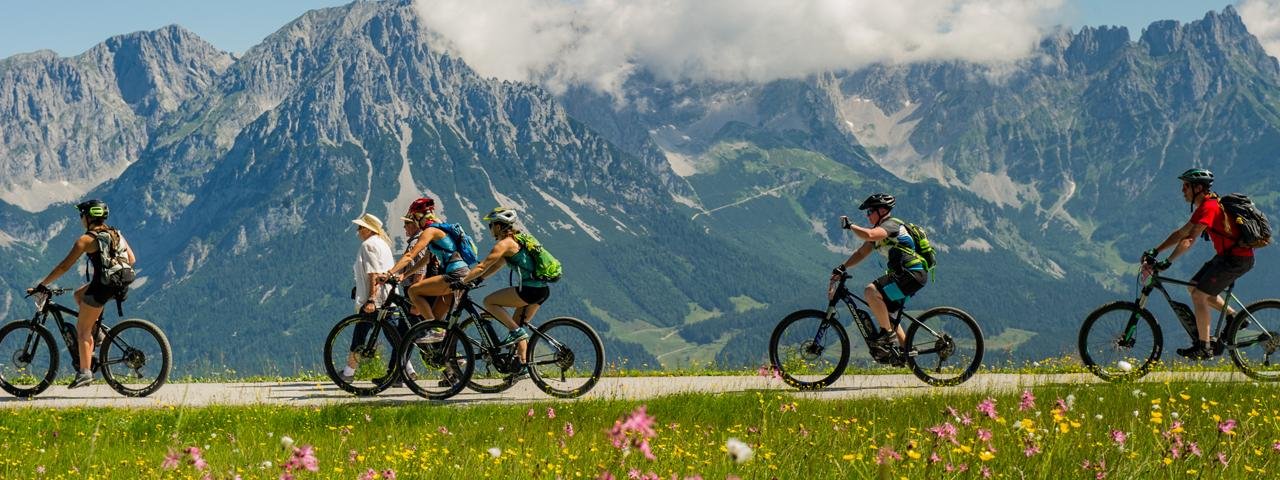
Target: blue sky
<point>71,27</point>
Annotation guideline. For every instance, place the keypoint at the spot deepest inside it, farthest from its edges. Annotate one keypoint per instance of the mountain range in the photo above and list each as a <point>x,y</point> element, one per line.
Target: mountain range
<point>690,217</point>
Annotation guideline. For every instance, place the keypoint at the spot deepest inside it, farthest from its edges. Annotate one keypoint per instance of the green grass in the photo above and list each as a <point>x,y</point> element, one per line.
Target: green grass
<point>790,436</point>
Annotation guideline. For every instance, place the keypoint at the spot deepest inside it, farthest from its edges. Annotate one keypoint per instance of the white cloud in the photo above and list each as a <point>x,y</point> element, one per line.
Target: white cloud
<point>1262,17</point>
<point>601,42</point>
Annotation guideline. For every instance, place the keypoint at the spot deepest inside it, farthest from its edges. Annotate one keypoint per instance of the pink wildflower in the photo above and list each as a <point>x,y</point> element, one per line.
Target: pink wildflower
<point>1028,401</point>
<point>306,457</point>
<point>988,408</point>
<point>389,474</point>
<point>1119,437</point>
<point>634,474</point>
<point>984,435</point>
<point>1222,458</point>
<point>966,420</point>
<point>1194,449</point>
<point>197,459</point>
<point>1063,406</point>
<point>171,460</point>
<point>934,458</point>
<point>443,430</point>
<point>1228,426</point>
<point>1031,448</point>
<point>605,475</point>
<point>986,472</point>
<point>530,413</point>
<point>369,475</point>
<point>568,430</point>
<point>768,371</point>
<point>945,431</point>
<point>551,412</point>
<point>885,454</point>
<point>1275,447</point>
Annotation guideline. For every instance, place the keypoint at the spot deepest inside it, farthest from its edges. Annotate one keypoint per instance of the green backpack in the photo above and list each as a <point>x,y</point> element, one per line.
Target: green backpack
<point>924,250</point>
<point>545,266</point>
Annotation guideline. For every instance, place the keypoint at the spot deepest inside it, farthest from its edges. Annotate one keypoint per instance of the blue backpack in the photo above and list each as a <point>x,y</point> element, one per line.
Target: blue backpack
<point>466,247</point>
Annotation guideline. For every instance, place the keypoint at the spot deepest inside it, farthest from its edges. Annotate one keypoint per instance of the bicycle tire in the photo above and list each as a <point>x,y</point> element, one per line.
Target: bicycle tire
<point>1266,313</point>
<point>134,357</point>
<point>945,347</point>
<point>441,362</point>
<point>1142,361</point>
<point>482,377</point>
<point>36,333</point>
<point>563,360</point>
<point>784,362</point>
<point>377,383</point>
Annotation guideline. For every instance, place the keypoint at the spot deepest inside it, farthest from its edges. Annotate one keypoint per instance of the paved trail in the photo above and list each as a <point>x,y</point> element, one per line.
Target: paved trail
<point>322,393</point>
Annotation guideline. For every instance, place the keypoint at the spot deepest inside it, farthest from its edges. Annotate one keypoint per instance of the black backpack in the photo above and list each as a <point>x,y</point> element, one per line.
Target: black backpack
<point>1242,214</point>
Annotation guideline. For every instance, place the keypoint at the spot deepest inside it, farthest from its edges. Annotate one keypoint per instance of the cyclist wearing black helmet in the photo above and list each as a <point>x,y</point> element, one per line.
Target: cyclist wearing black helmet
<point>906,273</point>
<point>94,295</point>
<point>1230,262</point>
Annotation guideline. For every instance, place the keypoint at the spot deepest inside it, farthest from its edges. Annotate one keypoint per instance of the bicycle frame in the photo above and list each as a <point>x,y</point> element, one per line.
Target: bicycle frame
<point>851,301</point>
<point>66,330</point>
<point>464,304</point>
<point>1156,282</point>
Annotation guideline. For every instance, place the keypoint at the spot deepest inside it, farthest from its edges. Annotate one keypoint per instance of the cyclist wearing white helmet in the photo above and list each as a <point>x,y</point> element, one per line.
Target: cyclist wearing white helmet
<point>526,296</point>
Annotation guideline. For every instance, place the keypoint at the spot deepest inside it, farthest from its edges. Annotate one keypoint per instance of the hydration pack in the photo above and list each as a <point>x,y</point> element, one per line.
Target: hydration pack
<point>116,272</point>
<point>1254,231</point>
<point>545,266</point>
<point>923,251</point>
<point>466,247</point>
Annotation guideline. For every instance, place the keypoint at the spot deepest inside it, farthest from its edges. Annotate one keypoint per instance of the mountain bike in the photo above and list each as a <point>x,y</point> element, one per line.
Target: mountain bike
<point>810,349</point>
<point>133,356</point>
<point>566,356</point>
<point>367,342</point>
<point>1121,340</point>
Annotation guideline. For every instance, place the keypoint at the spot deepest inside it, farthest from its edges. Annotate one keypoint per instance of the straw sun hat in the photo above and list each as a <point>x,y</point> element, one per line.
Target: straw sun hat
<point>372,223</point>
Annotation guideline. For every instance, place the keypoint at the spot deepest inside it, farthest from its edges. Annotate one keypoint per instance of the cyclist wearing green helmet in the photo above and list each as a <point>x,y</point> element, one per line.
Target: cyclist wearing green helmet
<point>95,294</point>
<point>1230,262</point>
<point>527,296</point>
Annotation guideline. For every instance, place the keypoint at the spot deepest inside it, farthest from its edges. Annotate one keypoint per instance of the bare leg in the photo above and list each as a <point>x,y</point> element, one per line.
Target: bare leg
<point>442,306</point>
<point>498,302</point>
<point>523,316</point>
<point>1204,312</point>
<point>881,311</point>
<point>85,321</point>
<point>432,287</point>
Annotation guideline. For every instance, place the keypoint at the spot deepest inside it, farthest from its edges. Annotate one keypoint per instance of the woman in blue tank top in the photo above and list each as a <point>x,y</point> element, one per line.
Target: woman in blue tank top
<point>443,249</point>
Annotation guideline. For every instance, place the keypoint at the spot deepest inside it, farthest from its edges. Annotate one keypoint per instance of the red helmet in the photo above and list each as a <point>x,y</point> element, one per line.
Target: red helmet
<point>422,205</point>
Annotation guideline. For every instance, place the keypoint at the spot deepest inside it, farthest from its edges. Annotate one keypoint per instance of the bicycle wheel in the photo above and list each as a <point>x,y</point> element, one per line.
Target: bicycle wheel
<point>945,346</point>
<point>28,359</point>
<point>485,378</point>
<point>566,357</point>
<point>809,351</point>
<point>1255,339</point>
<point>436,370</point>
<point>135,358</point>
<point>1120,341</point>
<point>365,345</point>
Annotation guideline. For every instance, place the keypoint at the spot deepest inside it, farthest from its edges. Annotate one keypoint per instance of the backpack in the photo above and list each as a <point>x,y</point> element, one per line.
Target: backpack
<point>466,247</point>
<point>545,267</point>
<point>924,250</point>
<point>116,273</point>
<point>1255,230</point>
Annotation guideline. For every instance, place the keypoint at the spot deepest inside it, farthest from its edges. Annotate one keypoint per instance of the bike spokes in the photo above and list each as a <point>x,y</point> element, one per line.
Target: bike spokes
<point>28,360</point>
<point>1255,347</point>
<point>566,357</point>
<point>1119,341</point>
<point>944,346</point>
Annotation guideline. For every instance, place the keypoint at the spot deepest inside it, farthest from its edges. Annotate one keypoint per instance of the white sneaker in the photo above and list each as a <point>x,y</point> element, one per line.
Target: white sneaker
<point>435,335</point>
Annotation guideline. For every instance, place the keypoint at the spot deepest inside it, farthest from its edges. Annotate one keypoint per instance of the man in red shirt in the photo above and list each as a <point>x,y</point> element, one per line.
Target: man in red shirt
<point>1231,261</point>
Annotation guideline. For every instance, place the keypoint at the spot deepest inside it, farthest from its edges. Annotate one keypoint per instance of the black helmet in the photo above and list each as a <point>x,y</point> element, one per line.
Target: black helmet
<point>94,209</point>
<point>1197,175</point>
<point>877,201</point>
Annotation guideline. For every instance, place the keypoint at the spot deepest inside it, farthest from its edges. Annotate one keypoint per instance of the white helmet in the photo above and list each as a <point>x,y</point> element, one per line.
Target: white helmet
<point>501,215</point>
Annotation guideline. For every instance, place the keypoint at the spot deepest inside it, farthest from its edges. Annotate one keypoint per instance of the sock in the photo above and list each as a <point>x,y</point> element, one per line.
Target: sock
<point>348,371</point>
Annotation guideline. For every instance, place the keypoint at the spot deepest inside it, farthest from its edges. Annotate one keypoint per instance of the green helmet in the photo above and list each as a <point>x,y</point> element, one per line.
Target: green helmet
<point>94,209</point>
<point>1197,175</point>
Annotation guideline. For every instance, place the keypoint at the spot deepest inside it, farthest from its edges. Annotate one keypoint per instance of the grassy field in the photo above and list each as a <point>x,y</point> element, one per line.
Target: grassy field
<point>1176,430</point>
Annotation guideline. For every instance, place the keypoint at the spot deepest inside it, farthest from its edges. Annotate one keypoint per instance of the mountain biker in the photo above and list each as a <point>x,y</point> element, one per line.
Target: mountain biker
<point>452,270</point>
<point>374,257</point>
<point>417,263</point>
<point>526,297</point>
<point>1230,262</point>
<point>92,296</point>
<point>906,273</point>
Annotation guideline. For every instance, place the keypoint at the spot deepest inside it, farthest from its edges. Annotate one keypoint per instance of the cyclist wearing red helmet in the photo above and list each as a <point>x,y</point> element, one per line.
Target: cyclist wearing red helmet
<point>440,249</point>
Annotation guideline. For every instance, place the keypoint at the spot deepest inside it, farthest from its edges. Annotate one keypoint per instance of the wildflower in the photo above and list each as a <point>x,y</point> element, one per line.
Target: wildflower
<point>170,461</point>
<point>369,475</point>
<point>1030,448</point>
<point>740,452</point>
<point>40,469</point>
<point>634,431</point>
<point>305,457</point>
<point>985,471</point>
<point>966,420</point>
<point>1228,427</point>
<point>495,452</point>
<point>605,476</point>
<point>351,456</point>
<point>1028,401</point>
<point>286,442</point>
<point>1119,437</point>
<point>985,435</point>
<point>988,408</point>
<point>197,460</point>
<point>1222,458</point>
<point>551,412</point>
<point>1097,417</point>
<point>986,455</point>
<point>568,430</point>
<point>1275,447</point>
<point>644,449</point>
<point>530,413</point>
<point>934,458</point>
<point>443,430</point>
<point>768,371</point>
<point>945,431</point>
<point>885,454</point>
<point>1194,449</point>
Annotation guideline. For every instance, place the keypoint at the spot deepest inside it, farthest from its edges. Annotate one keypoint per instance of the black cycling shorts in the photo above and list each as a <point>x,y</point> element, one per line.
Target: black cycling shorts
<point>1220,272</point>
<point>97,295</point>
<point>897,287</point>
<point>533,295</point>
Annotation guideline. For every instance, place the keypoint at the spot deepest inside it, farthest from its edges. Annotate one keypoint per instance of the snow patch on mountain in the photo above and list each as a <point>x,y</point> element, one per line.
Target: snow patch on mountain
<point>587,229</point>
<point>975,244</point>
<point>6,240</point>
<point>818,227</point>
<point>408,188</point>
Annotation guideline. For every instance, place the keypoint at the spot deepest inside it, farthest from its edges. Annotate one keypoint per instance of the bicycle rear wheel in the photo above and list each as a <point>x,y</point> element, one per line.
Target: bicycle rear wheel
<point>566,357</point>
<point>945,346</point>
<point>485,378</point>
<point>436,370</point>
<point>28,359</point>
<point>1254,341</point>
<point>135,358</point>
<point>366,345</point>
<point>1120,341</point>
<point>809,350</point>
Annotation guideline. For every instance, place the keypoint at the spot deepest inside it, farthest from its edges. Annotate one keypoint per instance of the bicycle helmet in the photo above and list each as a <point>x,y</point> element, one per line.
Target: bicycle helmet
<point>503,215</point>
<point>94,209</point>
<point>1197,176</point>
<point>879,200</point>
<point>422,205</point>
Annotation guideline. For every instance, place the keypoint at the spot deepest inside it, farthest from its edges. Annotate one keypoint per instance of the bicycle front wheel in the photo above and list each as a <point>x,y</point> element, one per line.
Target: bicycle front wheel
<point>1254,340</point>
<point>809,350</point>
<point>1120,341</point>
<point>28,359</point>
<point>436,369</point>
<point>566,357</point>
<point>944,346</point>
<point>135,358</point>
<point>358,353</point>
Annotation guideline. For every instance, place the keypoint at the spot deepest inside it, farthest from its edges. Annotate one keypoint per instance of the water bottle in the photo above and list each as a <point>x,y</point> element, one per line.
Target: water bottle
<point>1186,317</point>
